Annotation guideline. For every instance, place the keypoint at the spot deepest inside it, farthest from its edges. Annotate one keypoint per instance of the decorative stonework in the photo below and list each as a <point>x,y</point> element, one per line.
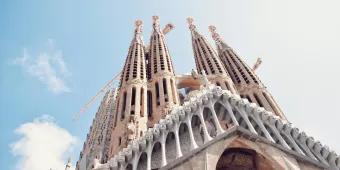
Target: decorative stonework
<point>241,112</point>
<point>212,107</point>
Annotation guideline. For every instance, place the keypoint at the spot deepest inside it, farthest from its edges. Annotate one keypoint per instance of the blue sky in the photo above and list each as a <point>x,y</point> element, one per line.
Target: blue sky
<point>85,42</point>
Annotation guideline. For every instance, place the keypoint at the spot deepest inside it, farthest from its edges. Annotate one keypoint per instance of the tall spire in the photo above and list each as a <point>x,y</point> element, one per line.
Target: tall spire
<point>219,41</point>
<point>162,91</point>
<point>138,31</point>
<point>155,23</point>
<point>130,115</point>
<point>134,67</point>
<point>246,81</point>
<point>206,59</point>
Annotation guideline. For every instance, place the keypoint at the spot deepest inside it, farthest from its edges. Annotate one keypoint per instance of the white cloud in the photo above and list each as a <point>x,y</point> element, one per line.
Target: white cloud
<point>43,145</point>
<point>49,67</point>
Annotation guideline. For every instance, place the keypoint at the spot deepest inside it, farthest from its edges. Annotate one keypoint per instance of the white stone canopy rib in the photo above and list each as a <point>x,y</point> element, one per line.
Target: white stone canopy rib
<point>244,115</point>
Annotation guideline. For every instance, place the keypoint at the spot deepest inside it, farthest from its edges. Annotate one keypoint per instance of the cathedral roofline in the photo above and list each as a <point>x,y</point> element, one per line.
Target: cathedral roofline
<point>313,151</point>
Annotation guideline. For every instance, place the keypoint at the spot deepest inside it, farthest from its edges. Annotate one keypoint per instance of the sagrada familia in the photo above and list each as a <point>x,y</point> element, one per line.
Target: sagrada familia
<point>221,116</point>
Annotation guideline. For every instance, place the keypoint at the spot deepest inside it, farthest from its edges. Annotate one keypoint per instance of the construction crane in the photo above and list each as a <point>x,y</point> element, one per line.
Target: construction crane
<point>104,89</point>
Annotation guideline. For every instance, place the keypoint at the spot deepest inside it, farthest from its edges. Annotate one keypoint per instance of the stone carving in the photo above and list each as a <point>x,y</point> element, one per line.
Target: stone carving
<point>206,97</point>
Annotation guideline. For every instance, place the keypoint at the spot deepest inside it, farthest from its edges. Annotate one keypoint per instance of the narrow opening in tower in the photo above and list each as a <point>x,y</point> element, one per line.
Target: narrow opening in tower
<point>166,98</point>
<point>133,99</point>
<point>149,104</point>
<point>124,106</point>
<point>157,94</point>
<point>141,102</point>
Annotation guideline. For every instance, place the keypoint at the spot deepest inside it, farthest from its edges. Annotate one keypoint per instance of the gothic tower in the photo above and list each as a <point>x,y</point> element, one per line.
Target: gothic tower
<point>96,140</point>
<point>246,81</point>
<point>162,91</point>
<point>207,60</point>
<point>130,119</point>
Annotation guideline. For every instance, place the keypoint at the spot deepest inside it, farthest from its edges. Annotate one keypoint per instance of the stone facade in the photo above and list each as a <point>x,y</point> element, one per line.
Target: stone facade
<point>225,119</point>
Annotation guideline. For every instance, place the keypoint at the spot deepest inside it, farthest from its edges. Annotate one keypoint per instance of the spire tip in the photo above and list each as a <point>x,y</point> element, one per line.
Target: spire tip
<point>155,18</point>
<point>139,25</point>
<point>138,22</point>
<point>155,22</point>
<point>190,21</point>
<point>214,34</point>
<point>212,28</point>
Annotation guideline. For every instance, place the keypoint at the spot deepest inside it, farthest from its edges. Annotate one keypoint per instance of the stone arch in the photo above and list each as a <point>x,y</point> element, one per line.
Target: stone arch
<point>209,122</point>
<point>129,167</point>
<point>142,162</point>
<point>223,116</point>
<point>237,159</point>
<point>240,158</point>
<point>170,147</point>
<point>256,126</point>
<point>288,141</point>
<point>240,119</point>
<point>263,158</point>
<point>197,130</point>
<point>271,133</point>
<point>184,138</point>
<point>156,156</point>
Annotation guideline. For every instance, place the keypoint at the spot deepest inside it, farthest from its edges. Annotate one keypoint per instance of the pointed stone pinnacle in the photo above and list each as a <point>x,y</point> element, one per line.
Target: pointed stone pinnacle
<point>214,34</point>
<point>139,25</point>
<point>190,21</point>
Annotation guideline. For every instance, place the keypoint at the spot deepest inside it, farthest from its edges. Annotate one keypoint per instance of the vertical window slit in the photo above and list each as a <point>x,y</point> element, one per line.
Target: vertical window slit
<point>157,94</point>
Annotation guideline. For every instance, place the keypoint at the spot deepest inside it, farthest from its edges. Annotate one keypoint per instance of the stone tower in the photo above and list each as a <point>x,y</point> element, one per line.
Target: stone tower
<point>246,81</point>
<point>162,91</point>
<point>207,60</point>
<point>209,128</point>
<point>131,118</point>
<point>96,140</point>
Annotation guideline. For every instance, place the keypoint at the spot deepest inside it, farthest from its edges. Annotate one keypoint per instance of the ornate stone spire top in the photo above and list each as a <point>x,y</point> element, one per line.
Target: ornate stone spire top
<point>214,34</point>
<point>138,31</point>
<point>219,41</point>
<point>155,22</point>
<point>190,21</point>
<point>139,26</point>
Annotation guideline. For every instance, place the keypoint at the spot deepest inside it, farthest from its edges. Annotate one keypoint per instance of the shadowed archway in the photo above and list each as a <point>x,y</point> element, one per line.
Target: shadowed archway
<point>142,163</point>
<point>237,159</point>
